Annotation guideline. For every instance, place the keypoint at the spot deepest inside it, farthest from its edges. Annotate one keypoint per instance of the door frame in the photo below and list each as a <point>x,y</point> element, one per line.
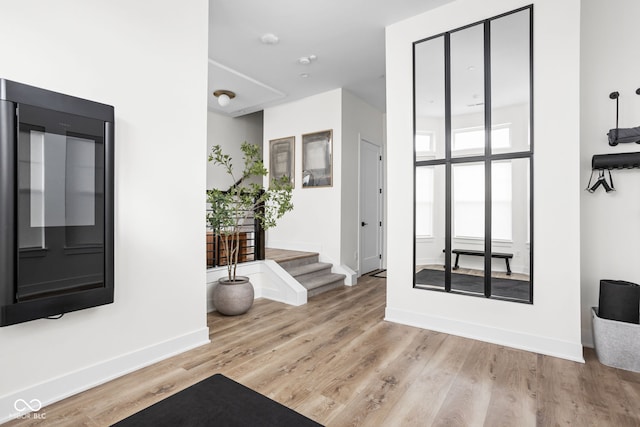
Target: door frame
<point>380,201</point>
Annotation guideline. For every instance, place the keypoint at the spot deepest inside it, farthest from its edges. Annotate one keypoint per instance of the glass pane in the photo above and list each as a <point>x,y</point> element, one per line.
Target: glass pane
<point>61,184</point>
<point>467,245</point>
<point>510,246</point>
<point>60,203</point>
<point>510,82</point>
<point>424,201</point>
<point>468,201</point>
<point>430,226</point>
<point>429,98</point>
<point>467,92</point>
<point>501,200</point>
<point>31,190</point>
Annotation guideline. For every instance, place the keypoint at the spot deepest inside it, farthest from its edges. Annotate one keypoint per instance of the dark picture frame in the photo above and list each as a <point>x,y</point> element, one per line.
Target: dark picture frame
<point>282,159</point>
<point>317,159</point>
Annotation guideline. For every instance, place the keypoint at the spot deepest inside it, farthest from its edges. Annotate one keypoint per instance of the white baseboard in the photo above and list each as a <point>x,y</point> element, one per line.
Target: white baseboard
<point>78,381</point>
<point>533,343</point>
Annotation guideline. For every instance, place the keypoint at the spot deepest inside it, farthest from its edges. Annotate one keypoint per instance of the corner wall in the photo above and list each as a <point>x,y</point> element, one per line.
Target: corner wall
<point>359,121</point>
<point>314,223</point>
<point>552,324</point>
<point>325,219</point>
<point>610,221</point>
<point>150,62</point>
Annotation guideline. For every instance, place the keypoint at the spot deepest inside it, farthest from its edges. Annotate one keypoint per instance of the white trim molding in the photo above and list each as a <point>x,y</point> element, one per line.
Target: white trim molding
<point>522,341</point>
<point>83,379</point>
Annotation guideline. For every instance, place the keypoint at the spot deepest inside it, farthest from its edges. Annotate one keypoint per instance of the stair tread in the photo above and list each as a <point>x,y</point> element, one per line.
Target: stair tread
<point>318,281</point>
<point>300,261</point>
<point>308,268</point>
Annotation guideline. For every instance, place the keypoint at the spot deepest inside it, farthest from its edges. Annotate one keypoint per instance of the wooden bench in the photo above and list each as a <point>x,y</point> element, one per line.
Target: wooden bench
<point>472,252</point>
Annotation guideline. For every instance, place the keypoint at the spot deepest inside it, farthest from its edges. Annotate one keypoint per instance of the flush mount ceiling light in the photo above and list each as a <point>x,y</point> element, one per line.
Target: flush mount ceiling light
<point>269,38</point>
<point>224,97</point>
<point>306,60</point>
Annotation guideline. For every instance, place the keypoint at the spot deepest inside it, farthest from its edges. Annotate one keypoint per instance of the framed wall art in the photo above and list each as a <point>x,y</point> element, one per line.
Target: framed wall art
<point>282,159</point>
<point>317,159</point>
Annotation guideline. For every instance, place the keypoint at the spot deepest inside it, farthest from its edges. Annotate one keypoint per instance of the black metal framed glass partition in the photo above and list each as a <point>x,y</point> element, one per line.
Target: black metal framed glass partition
<point>473,159</point>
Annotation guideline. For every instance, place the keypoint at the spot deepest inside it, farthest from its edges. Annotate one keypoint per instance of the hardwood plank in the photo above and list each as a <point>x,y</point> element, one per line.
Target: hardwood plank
<point>513,396</point>
<point>468,398</point>
<point>559,398</point>
<point>338,362</point>
<point>601,387</point>
<point>429,390</point>
<point>280,255</point>
<point>363,357</point>
<point>386,389</point>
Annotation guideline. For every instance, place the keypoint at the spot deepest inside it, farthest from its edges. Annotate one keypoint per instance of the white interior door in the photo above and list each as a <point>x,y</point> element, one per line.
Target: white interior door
<point>370,207</point>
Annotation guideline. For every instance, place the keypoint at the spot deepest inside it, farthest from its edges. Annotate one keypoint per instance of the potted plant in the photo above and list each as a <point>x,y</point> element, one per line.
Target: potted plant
<point>230,209</point>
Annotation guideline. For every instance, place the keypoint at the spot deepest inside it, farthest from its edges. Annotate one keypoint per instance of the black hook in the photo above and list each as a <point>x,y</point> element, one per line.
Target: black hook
<point>615,95</point>
<point>638,91</point>
<point>601,181</point>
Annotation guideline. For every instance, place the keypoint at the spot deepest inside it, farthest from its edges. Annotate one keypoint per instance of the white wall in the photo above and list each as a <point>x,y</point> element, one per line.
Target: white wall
<point>610,221</point>
<point>359,120</point>
<point>552,324</point>
<point>230,133</point>
<point>324,219</point>
<point>151,64</point>
<point>314,224</point>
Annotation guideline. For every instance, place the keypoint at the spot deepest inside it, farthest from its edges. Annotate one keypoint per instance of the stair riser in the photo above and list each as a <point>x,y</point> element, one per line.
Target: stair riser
<point>307,276</point>
<point>325,288</point>
<point>320,281</point>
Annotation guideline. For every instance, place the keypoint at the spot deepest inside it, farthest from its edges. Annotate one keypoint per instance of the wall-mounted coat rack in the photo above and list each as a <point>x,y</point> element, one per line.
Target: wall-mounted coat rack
<point>605,162</point>
<point>617,134</point>
<point>615,161</point>
<point>602,162</point>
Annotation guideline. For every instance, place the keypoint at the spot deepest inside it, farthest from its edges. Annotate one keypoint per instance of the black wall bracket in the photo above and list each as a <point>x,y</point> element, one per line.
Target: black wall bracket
<point>618,134</point>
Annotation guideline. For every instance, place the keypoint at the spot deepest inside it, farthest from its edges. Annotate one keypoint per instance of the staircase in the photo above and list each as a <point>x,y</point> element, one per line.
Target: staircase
<point>315,276</point>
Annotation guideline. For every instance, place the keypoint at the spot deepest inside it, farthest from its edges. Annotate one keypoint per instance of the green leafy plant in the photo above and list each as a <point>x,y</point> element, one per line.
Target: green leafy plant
<point>232,208</point>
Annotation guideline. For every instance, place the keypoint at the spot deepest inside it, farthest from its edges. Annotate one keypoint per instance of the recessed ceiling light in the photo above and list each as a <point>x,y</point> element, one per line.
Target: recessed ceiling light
<point>305,75</point>
<point>306,60</point>
<point>269,38</point>
<point>471,68</point>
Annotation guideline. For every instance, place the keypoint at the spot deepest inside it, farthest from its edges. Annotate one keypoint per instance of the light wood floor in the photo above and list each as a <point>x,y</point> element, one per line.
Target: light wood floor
<point>280,255</point>
<point>335,360</point>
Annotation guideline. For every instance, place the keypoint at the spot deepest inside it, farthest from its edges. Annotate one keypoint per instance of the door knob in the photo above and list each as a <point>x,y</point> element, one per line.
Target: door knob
<point>364,223</point>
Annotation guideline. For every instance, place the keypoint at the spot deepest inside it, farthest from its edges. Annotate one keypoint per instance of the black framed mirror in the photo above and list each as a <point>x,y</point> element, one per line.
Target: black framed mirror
<point>473,159</point>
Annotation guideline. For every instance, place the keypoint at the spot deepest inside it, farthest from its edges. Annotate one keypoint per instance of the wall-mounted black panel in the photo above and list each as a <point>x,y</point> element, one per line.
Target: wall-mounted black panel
<point>56,203</point>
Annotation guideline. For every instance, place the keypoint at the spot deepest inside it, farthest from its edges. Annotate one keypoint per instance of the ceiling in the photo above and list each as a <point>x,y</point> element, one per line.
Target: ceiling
<point>346,37</point>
